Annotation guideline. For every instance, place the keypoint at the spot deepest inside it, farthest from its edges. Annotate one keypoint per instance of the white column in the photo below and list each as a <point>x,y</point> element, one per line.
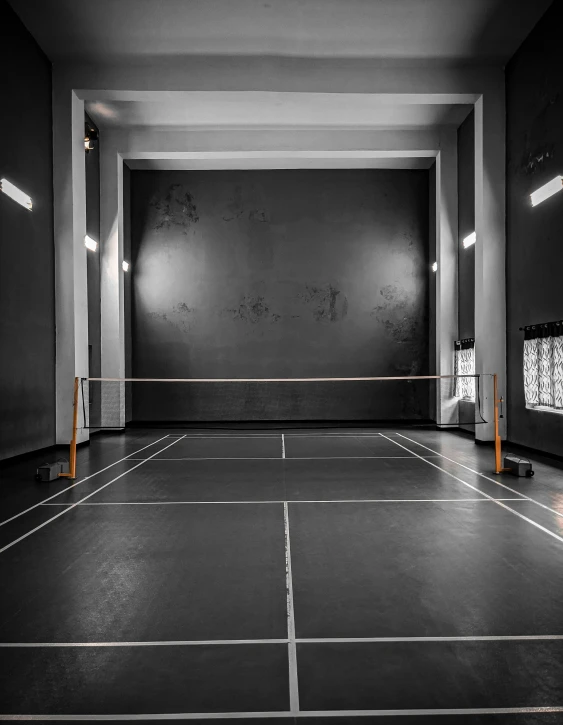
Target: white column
<point>111,285</point>
<point>446,277</point>
<point>490,296</point>
<point>69,182</point>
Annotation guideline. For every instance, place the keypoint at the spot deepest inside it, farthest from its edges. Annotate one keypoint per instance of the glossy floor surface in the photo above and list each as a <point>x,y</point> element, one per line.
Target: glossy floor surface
<point>317,576</point>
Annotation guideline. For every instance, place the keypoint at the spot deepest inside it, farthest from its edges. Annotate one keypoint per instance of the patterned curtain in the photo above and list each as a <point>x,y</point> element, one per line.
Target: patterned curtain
<point>464,364</point>
<point>543,365</point>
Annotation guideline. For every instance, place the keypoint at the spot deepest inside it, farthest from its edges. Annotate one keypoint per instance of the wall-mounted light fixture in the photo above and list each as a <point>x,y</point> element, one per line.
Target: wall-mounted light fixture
<point>470,240</point>
<point>549,189</point>
<point>125,266</point>
<point>90,137</point>
<point>16,194</point>
<point>90,243</point>
<point>435,267</point>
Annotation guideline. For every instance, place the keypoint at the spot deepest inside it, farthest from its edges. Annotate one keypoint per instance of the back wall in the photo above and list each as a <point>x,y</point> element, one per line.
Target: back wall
<point>293,273</point>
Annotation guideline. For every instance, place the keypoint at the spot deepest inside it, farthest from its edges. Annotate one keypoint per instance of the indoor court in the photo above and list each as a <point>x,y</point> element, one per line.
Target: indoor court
<point>281,382</point>
<point>349,572</point>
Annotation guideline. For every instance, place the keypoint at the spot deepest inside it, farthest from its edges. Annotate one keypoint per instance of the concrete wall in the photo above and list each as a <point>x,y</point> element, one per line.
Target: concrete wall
<point>275,274</point>
<point>27,294</point>
<point>466,225</point>
<point>92,161</point>
<point>534,235</point>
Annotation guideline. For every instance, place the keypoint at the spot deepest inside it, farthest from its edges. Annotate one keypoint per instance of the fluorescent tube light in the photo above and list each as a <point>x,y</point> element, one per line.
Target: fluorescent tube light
<point>435,267</point>
<point>125,265</point>
<point>16,194</point>
<point>469,240</point>
<point>90,243</point>
<point>544,192</point>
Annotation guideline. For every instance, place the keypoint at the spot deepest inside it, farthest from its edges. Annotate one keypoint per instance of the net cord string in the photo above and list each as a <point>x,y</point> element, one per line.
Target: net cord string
<point>278,380</point>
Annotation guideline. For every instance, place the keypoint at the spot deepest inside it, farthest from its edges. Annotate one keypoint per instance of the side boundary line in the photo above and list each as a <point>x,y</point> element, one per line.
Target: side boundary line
<point>484,475</point>
<point>82,481</point>
<point>502,505</point>
<point>69,508</point>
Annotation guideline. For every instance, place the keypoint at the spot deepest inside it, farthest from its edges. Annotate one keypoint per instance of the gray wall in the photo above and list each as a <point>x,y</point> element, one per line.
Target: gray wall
<point>275,274</point>
<point>466,225</point>
<point>93,272</point>
<point>534,235</point>
<point>27,294</point>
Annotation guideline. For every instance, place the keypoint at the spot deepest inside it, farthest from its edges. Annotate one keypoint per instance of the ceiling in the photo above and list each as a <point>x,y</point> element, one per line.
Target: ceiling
<point>464,31</point>
<point>230,110</point>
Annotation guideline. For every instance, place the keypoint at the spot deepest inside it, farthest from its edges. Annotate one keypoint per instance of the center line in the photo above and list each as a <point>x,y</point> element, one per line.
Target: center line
<point>283,446</point>
<point>292,648</point>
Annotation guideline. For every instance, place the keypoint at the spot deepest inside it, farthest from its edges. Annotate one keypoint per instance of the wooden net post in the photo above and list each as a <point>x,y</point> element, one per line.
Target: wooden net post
<point>72,462</point>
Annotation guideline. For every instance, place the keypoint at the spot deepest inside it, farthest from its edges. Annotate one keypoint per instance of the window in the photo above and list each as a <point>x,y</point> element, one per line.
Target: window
<point>464,364</point>
<point>543,366</point>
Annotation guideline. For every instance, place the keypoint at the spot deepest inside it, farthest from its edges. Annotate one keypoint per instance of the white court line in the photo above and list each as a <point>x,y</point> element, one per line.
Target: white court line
<point>277,458</point>
<point>21,513</point>
<point>66,510</point>
<point>300,640</point>
<point>502,505</point>
<point>292,648</point>
<point>270,436</point>
<point>157,643</point>
<point>330,500</point>
<point>300,714</point>
<point>283,445</point>
<point>483,475</point>
<point>469,638</point>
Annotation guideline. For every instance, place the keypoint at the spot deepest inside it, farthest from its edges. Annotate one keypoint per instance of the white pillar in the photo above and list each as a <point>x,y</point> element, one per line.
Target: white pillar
<point>111,285</point>
<point>69,182</point>
<point>446,276</point>
<point>490,296</point>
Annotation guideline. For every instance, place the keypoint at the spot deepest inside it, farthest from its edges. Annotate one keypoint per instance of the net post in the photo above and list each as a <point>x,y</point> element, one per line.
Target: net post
<point>498,441</point>
<point>72,458</point>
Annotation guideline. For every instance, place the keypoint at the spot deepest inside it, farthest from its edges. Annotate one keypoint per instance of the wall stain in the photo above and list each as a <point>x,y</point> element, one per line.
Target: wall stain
<point>178,316</point>
<point>252,310</point>
<point>235,207</point>
<point>328,304</point>
<point>398,314</point>
<point>176,209</point>
<point>258,215</point>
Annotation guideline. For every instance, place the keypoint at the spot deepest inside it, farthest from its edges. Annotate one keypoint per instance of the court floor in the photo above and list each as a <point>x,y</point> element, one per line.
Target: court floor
<point>385,575</point>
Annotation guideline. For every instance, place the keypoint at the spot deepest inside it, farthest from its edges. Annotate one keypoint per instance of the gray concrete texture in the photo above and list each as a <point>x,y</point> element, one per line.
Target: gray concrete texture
<point>27,291</point>
<point>279,274</point>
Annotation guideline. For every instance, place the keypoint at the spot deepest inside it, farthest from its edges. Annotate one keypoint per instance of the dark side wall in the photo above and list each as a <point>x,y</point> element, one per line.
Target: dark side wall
<point>27,294</point>
<point>466,226</point>
<point>279,274</point>
<point>534,234</point>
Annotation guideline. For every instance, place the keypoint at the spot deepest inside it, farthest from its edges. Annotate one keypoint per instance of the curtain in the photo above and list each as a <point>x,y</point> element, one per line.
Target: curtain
<point>543,365</point>
<point>464,364</point>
